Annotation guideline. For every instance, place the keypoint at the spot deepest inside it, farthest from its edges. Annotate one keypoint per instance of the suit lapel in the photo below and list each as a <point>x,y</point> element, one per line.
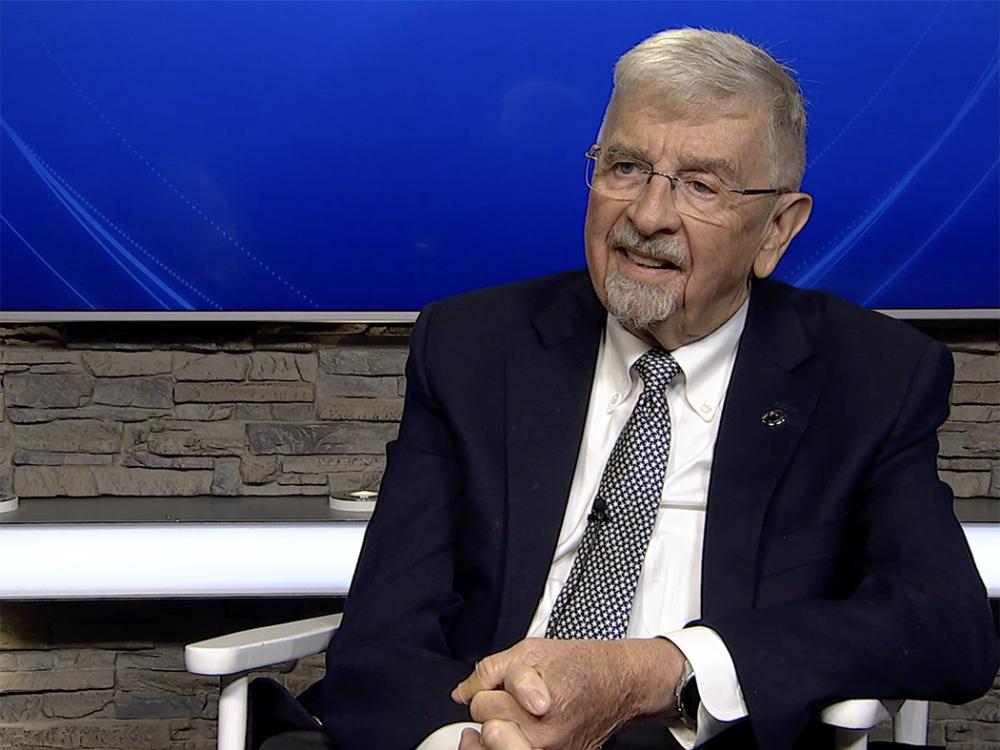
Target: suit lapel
<point>547,391</point>
<point>774,372</point>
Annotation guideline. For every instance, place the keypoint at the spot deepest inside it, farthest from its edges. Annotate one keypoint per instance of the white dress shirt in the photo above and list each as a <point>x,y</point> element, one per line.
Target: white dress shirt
<point>668,594</point>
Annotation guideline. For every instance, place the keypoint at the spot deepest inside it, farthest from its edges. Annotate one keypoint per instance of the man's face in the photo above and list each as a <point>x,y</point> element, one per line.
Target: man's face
<point>705,277</point>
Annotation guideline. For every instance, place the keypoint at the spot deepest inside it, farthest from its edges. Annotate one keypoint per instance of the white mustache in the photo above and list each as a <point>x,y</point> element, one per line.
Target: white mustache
<point>661,247</point>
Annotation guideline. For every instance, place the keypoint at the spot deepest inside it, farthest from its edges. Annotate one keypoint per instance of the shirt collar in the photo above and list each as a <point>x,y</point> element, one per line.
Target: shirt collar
<point>706,364</point>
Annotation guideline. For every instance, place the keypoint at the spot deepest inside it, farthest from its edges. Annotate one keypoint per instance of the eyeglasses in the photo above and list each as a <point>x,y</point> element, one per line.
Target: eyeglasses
<point>698,194</point>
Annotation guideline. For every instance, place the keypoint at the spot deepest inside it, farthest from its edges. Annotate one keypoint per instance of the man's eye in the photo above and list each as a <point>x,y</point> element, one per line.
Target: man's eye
<point>701,188</point>
<point>625,169</point>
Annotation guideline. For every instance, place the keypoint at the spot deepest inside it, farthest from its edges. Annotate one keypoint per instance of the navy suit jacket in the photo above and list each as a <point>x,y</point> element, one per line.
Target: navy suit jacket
<point>833,565</point>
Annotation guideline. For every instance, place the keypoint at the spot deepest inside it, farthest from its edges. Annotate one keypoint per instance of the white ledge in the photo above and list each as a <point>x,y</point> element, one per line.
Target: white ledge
<point>220,554</point>
<point>162,560</point>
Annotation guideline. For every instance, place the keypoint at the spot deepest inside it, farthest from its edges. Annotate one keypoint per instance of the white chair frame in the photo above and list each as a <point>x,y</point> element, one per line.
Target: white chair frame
<point>232,657</point>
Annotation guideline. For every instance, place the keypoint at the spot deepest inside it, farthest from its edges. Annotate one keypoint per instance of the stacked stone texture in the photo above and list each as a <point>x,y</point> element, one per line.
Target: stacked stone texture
<point>110,675</point>
<point>295,417</point>
<point>278,410</point>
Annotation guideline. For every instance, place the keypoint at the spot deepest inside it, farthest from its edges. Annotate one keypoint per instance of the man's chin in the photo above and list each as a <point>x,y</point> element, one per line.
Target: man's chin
<point>638,306</point>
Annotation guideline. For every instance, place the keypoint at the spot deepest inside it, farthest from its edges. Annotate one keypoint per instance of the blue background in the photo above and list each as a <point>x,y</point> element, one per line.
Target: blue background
<point>376,156</point>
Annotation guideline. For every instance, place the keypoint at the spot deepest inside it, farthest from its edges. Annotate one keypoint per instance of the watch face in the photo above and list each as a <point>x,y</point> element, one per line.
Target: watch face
<point>690,698</point>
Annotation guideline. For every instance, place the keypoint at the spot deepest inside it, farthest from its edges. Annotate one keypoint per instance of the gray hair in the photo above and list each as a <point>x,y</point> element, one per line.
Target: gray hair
<point>695,71</point>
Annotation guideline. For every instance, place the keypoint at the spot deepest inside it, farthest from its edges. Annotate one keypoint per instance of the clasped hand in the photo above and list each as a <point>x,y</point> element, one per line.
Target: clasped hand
<point>566,695</point>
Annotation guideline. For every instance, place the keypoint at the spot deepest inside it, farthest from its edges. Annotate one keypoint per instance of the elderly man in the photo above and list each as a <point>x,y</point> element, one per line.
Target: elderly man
<point>669,501</point>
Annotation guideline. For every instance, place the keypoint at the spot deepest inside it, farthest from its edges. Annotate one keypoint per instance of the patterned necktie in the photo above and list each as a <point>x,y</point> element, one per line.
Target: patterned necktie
<point>596,601</point>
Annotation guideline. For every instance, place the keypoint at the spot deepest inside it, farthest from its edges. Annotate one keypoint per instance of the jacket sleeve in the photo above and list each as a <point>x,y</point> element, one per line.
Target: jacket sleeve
<point>389,668</point>
<point>915,623</point>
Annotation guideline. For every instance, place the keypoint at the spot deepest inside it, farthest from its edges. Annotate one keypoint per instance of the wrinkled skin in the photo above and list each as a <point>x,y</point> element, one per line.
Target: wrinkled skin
<point>567,695</point>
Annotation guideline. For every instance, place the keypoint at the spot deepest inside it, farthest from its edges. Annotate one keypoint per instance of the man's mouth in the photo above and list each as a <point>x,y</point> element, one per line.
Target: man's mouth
<point>646,262</point>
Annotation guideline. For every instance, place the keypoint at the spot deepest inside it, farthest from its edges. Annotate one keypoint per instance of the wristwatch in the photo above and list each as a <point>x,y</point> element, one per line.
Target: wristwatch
<point>687,697</point>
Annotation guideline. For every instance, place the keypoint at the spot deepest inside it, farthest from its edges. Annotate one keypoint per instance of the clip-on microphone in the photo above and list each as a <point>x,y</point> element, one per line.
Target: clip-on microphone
<point>599,511</point>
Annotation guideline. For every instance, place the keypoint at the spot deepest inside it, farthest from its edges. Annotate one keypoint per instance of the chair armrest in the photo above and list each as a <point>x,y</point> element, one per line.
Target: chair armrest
<point>260,647</point>
<point>859,713</point>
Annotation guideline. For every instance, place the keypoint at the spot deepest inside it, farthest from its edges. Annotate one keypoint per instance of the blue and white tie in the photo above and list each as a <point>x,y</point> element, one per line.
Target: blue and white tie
<point>596,601</point>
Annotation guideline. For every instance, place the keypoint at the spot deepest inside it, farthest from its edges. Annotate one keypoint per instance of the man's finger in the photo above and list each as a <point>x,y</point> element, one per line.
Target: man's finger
<point>498,734</point>
<point>499,704</point>
<point>466,690</point>
<point>488,675</point>
<point>528,688</point>
<point>469,740</point>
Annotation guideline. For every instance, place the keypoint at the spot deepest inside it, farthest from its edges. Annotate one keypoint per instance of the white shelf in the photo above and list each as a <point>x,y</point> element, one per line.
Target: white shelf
<point>217,557</point>
<point>162,560</point>
<point>94,548</point>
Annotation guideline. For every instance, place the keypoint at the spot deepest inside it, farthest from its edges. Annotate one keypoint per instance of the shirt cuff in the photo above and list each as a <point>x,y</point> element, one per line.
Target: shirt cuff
<point>717,683</point>
<point>721,698</point>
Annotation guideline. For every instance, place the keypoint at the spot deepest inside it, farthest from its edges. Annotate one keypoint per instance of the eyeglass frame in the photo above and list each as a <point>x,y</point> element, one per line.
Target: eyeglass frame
<point>594,150</point>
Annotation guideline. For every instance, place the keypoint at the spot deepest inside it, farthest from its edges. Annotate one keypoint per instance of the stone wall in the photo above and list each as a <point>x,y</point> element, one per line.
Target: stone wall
<point>288,410</point>
<point>110,675</point>
<point>265,412</point>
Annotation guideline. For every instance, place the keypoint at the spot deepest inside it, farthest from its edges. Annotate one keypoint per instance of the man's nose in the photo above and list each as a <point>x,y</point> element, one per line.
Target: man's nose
<point>655,209</point>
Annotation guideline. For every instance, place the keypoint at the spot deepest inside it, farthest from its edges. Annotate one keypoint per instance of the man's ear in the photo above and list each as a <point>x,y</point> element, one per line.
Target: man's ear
<point>789,215</point>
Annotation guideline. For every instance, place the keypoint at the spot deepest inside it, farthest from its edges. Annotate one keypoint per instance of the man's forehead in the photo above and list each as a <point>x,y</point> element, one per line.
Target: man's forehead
<point>644,109</point>
<point>722,142</point>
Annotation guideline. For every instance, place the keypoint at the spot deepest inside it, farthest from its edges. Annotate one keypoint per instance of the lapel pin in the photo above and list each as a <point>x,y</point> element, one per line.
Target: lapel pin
<point>773,418</point>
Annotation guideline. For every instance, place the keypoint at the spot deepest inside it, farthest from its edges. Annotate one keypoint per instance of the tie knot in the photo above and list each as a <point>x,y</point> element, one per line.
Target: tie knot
<point>657,367</point>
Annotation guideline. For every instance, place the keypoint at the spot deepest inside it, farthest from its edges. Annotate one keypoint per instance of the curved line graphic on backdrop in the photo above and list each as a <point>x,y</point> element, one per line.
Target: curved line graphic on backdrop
<point>48,265</point>
<point>107,221</point>
<point>926,243</point>
<point>879,89</point>
<point>836,254</point>
<point>138,155</point>
<point>114,249</point>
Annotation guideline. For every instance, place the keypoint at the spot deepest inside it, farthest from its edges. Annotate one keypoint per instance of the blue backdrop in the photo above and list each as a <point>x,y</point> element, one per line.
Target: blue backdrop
<point>375,156</point>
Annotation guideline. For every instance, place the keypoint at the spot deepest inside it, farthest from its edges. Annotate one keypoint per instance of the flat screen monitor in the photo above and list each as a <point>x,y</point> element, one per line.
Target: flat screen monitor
<point>339,161</point>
